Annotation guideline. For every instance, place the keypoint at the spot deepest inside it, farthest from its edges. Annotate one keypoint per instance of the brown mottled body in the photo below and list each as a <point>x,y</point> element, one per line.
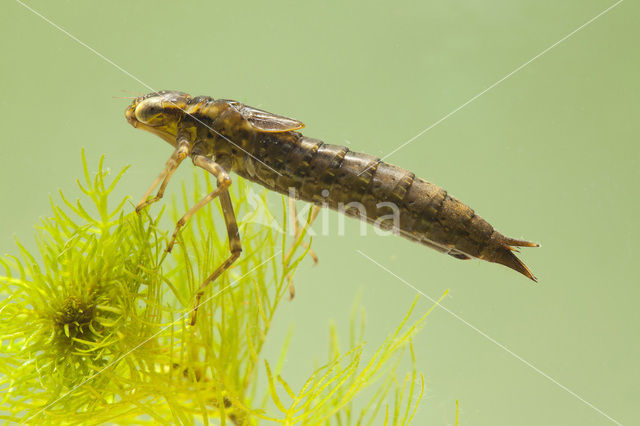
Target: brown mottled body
<point>266,149</point>
<point>427,213</point>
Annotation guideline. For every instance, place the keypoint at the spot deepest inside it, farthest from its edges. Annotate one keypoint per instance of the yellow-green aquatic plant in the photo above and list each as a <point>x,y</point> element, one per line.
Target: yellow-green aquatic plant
<point>94,328</point>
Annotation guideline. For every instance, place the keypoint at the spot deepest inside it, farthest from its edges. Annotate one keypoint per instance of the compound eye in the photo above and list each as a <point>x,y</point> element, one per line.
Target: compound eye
<point>149,111</point>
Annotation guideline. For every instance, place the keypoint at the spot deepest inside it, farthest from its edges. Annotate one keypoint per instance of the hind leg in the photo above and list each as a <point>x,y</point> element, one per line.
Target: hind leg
<point>298,229</point>
<point>297,234</point>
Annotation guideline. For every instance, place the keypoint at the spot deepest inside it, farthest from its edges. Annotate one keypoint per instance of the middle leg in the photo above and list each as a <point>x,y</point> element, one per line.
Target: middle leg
<point>222,191</point>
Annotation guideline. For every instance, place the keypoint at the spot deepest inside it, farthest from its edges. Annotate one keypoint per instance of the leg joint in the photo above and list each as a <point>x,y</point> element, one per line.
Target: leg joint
<point>224,180</point>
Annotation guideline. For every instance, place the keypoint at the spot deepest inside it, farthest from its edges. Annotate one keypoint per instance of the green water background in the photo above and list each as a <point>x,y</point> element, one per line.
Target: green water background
<point>549,154</point>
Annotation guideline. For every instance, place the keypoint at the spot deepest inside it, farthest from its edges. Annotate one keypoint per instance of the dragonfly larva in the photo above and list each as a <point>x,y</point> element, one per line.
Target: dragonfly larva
<point>223,136</point>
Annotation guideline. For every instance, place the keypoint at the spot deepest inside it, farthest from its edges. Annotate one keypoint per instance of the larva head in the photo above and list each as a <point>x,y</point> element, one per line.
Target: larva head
<point>158,113</point>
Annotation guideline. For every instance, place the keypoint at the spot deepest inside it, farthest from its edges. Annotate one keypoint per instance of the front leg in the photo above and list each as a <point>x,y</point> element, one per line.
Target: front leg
<point>181,152</point>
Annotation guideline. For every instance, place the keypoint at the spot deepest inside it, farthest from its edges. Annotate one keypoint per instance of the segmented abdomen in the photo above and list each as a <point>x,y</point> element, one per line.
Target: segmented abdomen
<point>361,185</point>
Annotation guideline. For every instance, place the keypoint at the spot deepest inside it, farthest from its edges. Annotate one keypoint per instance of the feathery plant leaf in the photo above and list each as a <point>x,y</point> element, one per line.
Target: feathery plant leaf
<point>95,327</point>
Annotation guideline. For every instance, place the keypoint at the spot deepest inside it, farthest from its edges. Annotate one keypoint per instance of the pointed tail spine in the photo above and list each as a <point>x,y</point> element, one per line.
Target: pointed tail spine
<point>505,255</point>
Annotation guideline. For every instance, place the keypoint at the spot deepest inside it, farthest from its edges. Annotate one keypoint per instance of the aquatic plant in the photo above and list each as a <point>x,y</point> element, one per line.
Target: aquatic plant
<point>95,326</point>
